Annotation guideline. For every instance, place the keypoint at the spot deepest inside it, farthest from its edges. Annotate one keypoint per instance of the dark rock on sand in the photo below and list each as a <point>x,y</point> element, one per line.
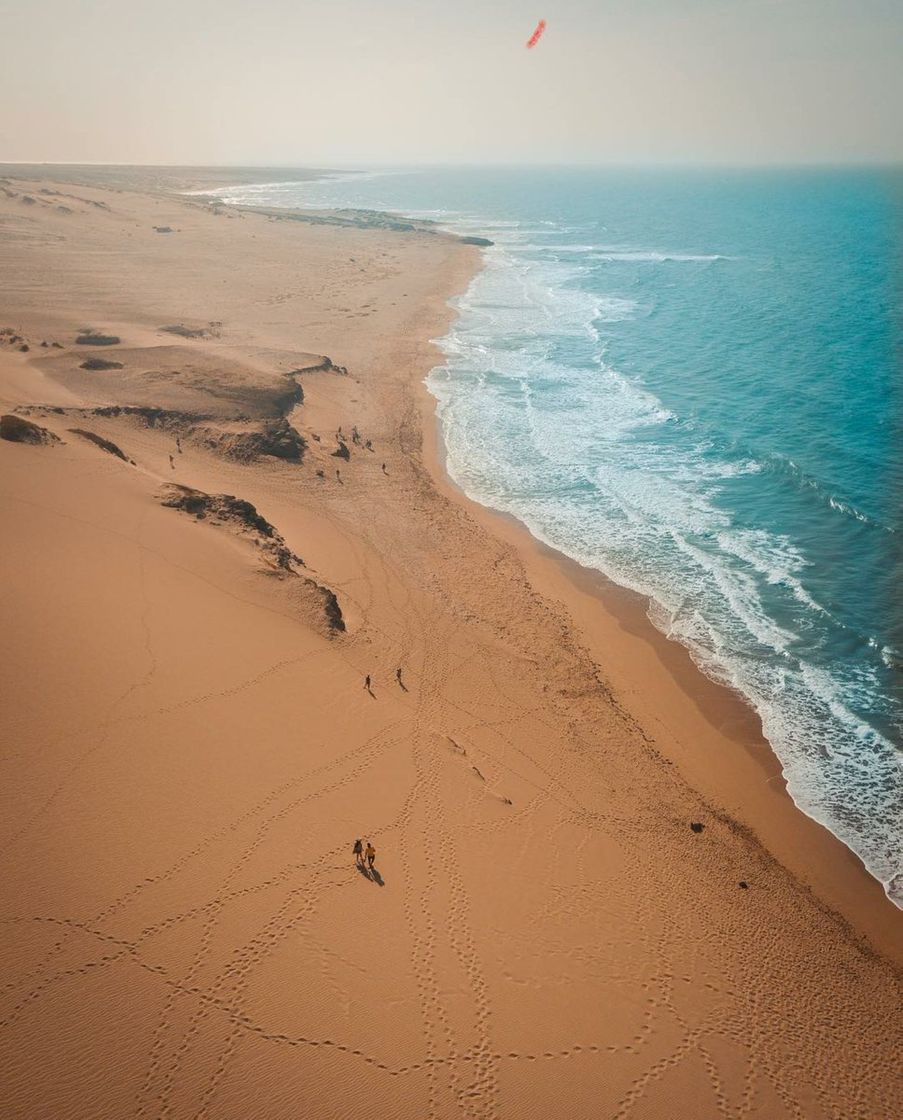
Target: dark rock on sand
<point>239,512</point>
<point>242,514</point>
<point>163,229</point>
<point>324,365</point>
<point>99,363</point>
<point>97,340</point>
<point>293,395</point>
<point>697,826</point>
<point>327,365</point>
<point>484,241</point>
<point>743,885</point>
<point>103,444</point>
<point>152,417</point>
<point>276,438</point>
<point>331,607</point>
<point>18,430</point>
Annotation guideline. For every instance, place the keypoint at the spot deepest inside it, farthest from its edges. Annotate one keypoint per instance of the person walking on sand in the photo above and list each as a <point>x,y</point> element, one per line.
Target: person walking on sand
<point>371,855</point>
<point>359,853</point>
<point>398,676</point>
<point>367,682</point>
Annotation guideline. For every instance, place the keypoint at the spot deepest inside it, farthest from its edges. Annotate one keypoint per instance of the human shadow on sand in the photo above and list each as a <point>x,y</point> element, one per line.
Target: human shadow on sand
<point>372,874</point>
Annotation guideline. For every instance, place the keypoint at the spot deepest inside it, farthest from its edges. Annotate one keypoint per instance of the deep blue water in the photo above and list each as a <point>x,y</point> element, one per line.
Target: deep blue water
<point>692,381</point>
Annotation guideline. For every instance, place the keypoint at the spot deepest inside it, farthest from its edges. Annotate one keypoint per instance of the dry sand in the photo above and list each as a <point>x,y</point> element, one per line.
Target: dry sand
<point>189,751</point>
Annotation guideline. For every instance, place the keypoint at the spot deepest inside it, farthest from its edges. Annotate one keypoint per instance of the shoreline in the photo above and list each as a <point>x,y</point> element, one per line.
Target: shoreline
<point>709,710</point>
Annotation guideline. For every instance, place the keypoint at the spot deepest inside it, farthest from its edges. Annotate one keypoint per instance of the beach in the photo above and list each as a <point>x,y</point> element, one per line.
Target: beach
<point>592,896</point>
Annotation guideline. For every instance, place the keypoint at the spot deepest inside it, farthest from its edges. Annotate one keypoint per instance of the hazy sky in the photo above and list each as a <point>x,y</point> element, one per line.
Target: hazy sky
<point>407,81</point>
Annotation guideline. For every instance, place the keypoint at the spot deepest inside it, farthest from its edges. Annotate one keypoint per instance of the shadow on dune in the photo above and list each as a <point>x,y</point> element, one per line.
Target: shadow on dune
<point>372,874</point>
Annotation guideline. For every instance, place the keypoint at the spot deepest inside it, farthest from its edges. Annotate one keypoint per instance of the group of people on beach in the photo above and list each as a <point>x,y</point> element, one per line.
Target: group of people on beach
<point>356,438</point>
<point>368,682</point>
<point>362,853</point>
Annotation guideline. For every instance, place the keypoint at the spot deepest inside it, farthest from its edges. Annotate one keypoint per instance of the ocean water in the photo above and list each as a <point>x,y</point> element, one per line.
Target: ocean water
<point>693,382</point>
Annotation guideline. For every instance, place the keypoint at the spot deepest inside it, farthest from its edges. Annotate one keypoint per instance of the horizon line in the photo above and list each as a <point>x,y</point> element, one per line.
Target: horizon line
<point>343,165</point>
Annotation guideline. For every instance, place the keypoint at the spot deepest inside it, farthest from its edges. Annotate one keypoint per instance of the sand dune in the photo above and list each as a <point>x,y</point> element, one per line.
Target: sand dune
<point>189,751</point>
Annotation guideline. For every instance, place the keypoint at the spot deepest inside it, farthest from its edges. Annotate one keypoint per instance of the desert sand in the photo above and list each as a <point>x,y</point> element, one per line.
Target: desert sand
<point>189,751</point>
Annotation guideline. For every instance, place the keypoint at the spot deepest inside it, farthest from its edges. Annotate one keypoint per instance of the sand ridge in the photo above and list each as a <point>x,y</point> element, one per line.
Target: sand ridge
<point>190,751</point>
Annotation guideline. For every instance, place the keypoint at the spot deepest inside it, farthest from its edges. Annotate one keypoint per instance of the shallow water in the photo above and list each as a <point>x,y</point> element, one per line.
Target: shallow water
<point>691,381</point>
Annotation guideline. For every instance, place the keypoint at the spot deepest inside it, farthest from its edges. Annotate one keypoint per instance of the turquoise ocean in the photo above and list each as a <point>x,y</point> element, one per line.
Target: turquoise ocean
<point>692,381</point>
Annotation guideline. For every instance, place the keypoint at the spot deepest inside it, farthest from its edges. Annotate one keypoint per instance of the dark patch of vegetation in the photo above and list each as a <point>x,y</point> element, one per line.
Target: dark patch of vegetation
<point>90,339</point>
<point>100,363</point>
<point>187,332</point>
<point>152,417</point>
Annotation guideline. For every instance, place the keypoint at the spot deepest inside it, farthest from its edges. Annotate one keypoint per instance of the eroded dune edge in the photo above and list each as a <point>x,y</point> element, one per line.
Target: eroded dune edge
<point>223,508</point>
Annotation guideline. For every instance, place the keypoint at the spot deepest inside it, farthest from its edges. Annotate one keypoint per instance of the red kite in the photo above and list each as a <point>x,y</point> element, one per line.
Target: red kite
<point>535,37</point>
